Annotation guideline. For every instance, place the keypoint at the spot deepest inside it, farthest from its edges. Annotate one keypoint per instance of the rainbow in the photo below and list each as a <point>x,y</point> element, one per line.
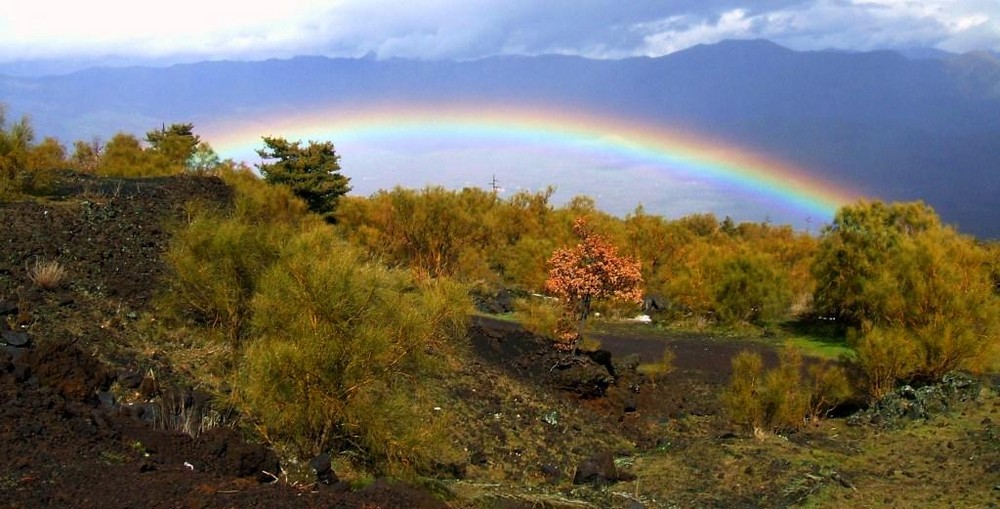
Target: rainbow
<point>694,157</point>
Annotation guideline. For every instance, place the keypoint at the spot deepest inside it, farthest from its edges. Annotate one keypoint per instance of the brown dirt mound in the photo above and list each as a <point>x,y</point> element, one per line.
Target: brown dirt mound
<point>73,374</point>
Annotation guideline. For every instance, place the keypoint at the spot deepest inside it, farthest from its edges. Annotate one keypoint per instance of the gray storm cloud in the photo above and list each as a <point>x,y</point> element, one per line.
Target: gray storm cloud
<point>440,29</point>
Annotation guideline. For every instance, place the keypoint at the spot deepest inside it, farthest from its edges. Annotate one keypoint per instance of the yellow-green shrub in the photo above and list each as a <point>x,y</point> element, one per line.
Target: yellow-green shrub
<point>885,356</point>
<point>27,167</point>
<point>830,387</point>
<point>215,264</point>
<point>124,157</point>
<point>778,399</point>
<point>339,348</point>
<point>658,369</point>
<point>217,258</point>
<point>539,315</point>
<point>741,398</point>
<point>889,355</point>
<point>260,203</point>
<point>752,289</point>
<point>785,396</point>
<point>945,347</point>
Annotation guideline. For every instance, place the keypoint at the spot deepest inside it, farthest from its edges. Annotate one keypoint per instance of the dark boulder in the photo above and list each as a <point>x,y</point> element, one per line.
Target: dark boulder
<point>501,302</point>
<point>73,373</point>
<point>231,455</point>
<point>583,377</point>
<point>604,358</point>
<point>7,308</point>
<point>15,338</point>
<point>323,469</point>
<point>908,402</point>
<point>597,470</point>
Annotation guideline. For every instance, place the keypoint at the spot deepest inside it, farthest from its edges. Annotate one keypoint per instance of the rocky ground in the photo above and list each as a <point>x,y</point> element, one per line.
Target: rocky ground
<point>535,428</point>
<point>64,439</point>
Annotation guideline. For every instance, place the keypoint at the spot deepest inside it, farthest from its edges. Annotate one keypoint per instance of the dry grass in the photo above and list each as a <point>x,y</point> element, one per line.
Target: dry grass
<point>47,275</point>
<point>943,462</point>
<point>657,370</point>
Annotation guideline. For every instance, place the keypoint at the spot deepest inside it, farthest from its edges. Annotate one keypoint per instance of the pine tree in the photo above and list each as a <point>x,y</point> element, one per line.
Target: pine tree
<point>312,172</point>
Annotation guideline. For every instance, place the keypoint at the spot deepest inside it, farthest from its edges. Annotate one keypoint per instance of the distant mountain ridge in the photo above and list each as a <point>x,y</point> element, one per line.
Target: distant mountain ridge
<point>902,128</point>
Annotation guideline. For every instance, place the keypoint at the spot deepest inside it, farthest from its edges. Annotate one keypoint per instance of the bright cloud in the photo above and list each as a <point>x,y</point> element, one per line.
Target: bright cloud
<point>50,28</point>
<point>837,24</point>
<point>430,29</point>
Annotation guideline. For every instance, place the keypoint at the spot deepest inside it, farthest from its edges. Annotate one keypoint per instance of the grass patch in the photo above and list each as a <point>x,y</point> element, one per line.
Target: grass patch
<point>47,275</point>
<point>821,347</point>
<point>823,340</point>
<point>503,317</point>
<point>623,327</point>
<point>657,370</point>
<point>939,463</point>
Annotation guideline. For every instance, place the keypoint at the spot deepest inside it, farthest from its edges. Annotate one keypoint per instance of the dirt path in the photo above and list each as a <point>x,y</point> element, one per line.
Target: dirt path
<point>693,352</point>
<point>702,354</point>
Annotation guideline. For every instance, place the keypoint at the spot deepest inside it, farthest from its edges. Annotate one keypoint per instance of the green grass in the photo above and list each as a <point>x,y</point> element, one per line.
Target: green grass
<point>817,339</point>
<point>813,340</point>
<point>601,325</point>
<point>821,347</point>
<point>504,317</point>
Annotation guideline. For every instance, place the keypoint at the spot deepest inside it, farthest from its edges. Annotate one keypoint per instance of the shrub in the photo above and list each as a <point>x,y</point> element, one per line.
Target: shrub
<point>124,156</point>
<point>896,265</point>
<point>830,387</point>
<point>741,398</point>
<point>751,290</point>
<point>338,346</point>
<point>47,275</point>
<point>943,348</point>
<point>256,202</point>
<point>655,370</point>
<point>539,316</point>
<point>923,295</point>
<point>770,401</point>
<point>889,355</point>
<point>785,397</point>
<point>217,259</point>
<point>26,167</point>
<point>885,356</point>
<point>215,266</point>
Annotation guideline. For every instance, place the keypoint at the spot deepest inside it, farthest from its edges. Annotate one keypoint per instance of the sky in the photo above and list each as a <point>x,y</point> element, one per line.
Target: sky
<point>191,30</point>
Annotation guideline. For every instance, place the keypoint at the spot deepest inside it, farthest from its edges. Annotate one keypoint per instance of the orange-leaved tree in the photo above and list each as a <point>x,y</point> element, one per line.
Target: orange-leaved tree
<point>590,271</point>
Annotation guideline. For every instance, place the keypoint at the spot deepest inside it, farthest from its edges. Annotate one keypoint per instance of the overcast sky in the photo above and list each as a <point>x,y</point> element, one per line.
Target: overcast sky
<point>184,30</point>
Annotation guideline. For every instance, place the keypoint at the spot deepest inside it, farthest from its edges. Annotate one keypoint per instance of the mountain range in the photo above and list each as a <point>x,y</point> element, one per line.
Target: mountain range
<point>914,125</point>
